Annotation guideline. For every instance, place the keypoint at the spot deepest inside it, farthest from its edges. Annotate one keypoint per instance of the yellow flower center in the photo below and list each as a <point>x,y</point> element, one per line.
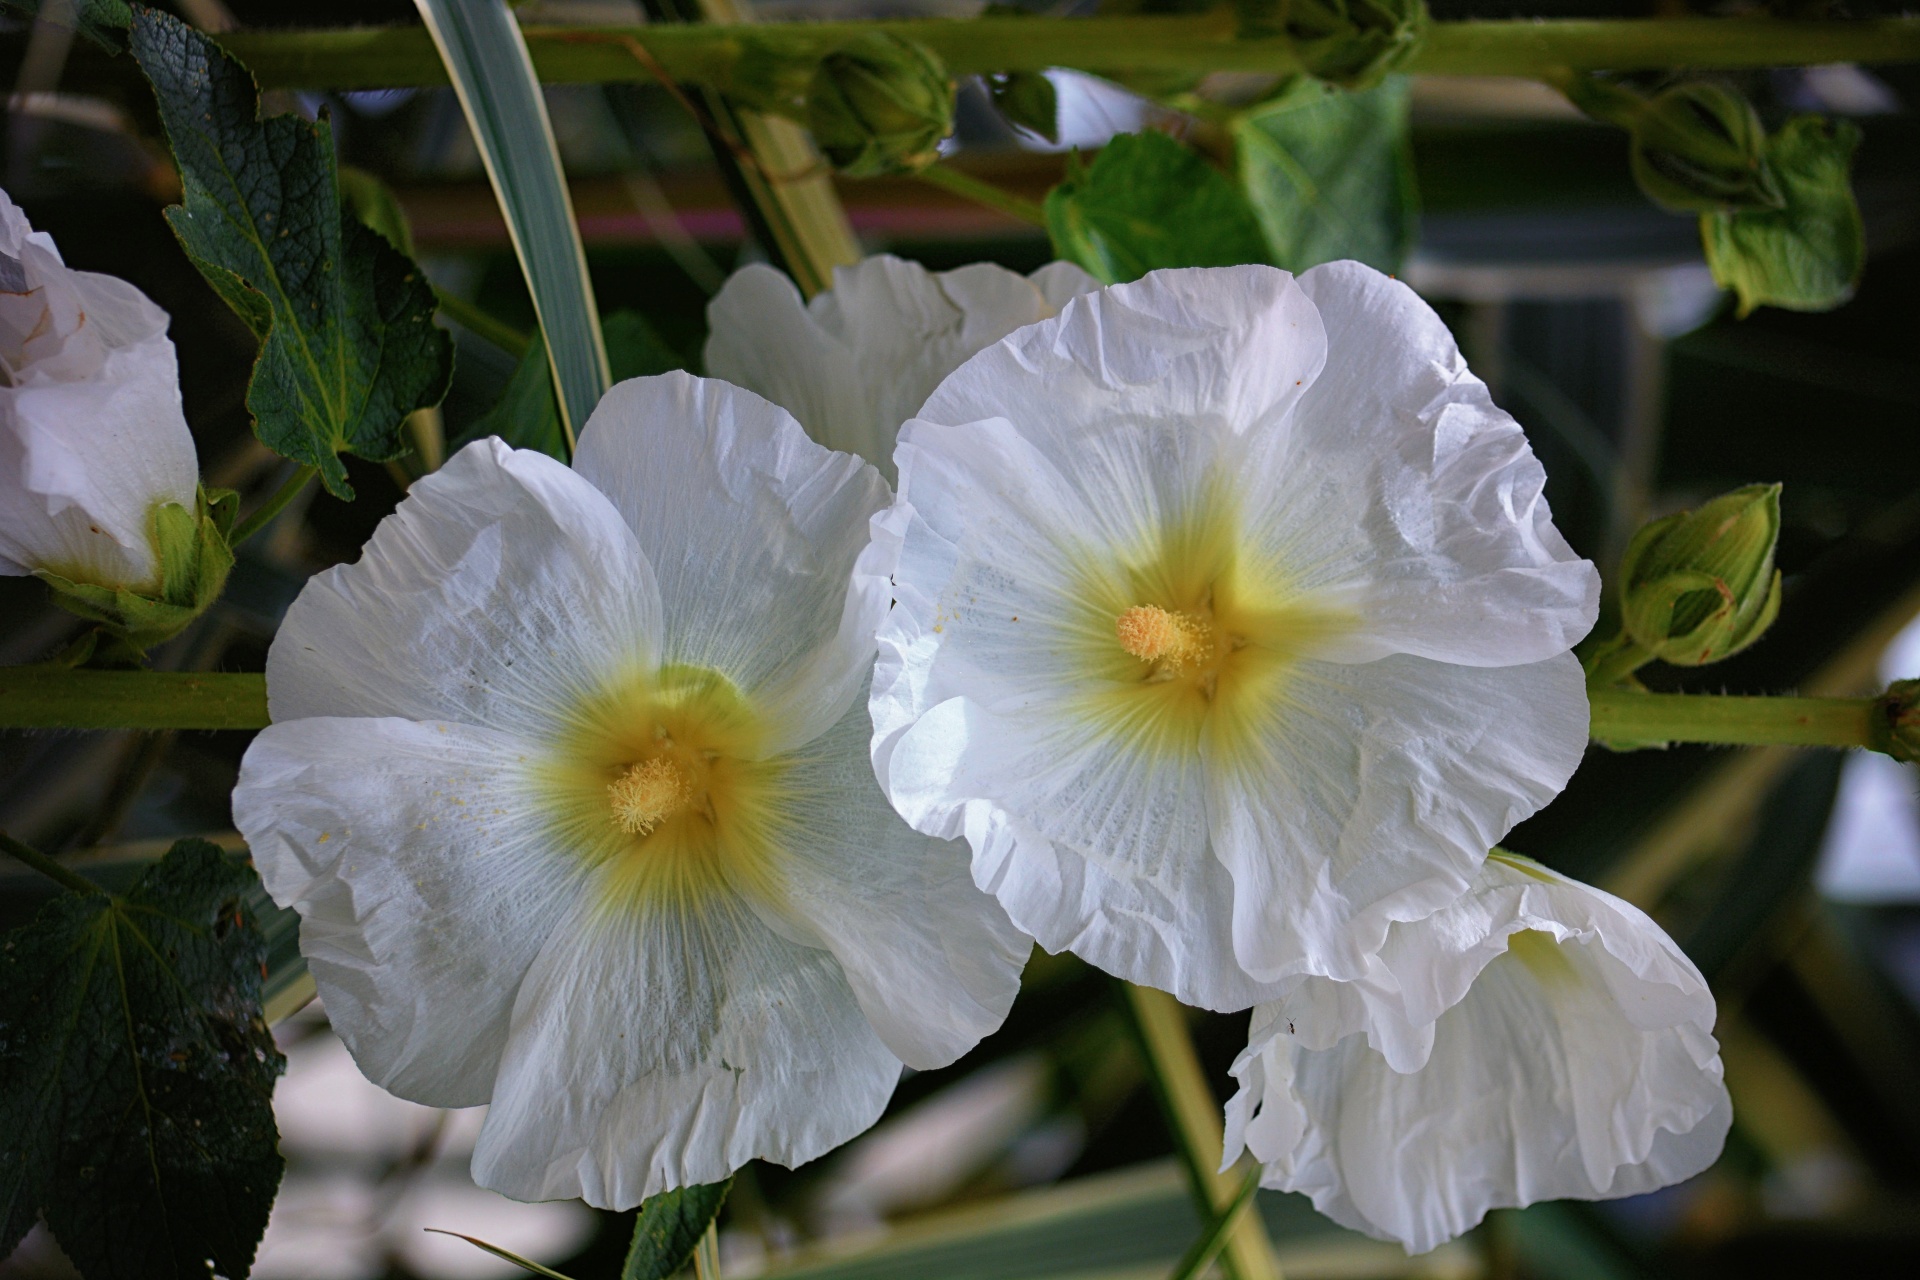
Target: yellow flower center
<point>1171,642</point>
<point>660,781</point>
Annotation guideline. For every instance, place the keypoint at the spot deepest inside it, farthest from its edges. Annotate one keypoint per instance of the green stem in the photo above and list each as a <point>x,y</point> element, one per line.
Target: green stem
<point>1204,1250</point>
<point>971,188</point>
<point>472,318</point>
<point>65,698</point>
<point>394,57</point>
<point>47,866</point>
<point>1627,715</point>
<point>266,511</point>
<point>1160,1023</point>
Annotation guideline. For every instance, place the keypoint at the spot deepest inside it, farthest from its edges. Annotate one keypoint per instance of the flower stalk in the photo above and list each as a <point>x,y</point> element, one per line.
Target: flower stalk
<point>394,57</point>
<point>32,857</point>
<point>263,514</point>
<point>1628,715</point>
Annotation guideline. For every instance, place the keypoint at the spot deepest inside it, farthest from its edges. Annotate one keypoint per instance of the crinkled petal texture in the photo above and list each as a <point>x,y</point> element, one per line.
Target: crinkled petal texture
<point>1231,627</point>
<point>92,435</point>
<point>565,843</point>
<point>1537,1040</point>
<point>857,361</point>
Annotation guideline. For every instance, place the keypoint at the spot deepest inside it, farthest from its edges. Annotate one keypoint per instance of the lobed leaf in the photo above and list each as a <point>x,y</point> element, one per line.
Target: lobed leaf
<point>1147,202</point>
<point>1806,256</point>
<point>348,347</point>
<point>136,1074</point>
<point>1329,174</point>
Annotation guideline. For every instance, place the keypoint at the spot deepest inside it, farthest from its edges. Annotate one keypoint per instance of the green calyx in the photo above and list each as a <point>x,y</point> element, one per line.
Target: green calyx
<point>1697,586</point>
<point>1350,43</point>
<point>1807,253</point>
<point>1698,147</point>
<point>194,557</point>
<point>1896,728</point>
<point>879,104</point>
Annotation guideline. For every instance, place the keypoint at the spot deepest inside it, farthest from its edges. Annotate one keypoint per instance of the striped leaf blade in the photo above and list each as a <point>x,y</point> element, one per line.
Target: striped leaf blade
<point>486,58</point>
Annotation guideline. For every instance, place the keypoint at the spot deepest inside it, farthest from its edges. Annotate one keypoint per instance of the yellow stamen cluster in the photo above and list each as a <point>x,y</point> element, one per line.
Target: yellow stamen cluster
<point>1176,641</point>
<point>649,793</point>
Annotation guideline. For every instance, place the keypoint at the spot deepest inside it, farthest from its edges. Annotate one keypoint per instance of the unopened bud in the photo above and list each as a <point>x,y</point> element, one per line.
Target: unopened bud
<point>1351,43</point>
<point>880,104</point>
<point>1700,586</point>
<point>1896,730</point>
<point>1700,148</point>
<point>194,558</point>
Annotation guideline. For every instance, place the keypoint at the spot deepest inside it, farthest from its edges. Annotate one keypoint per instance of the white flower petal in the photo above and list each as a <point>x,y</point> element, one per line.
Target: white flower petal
<point>1578,1063</point>
<point>503,589</point>
<point>665,1050</point>
<point>856,362</point>
<point>1373,794</point>
<point>1404,490</point>
<point>757,536</point>
<point>426,884</point>
<point>92,435</point>
<point>934,962</point>
<point>1220,348</point>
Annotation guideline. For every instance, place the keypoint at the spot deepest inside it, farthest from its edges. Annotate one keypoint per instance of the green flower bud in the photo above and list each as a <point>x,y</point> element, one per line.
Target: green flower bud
<point>194,559</point>
<point>1351,43</point>
<point>880,104</point>
<point>1700,586</point>
<point>1700,148</point>
<point>1897,722</point>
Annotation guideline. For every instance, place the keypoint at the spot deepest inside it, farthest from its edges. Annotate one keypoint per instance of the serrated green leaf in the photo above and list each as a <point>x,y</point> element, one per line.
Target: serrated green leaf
<point>136,1074</point>
<point>486,58</point>
<point>1027,99</point>
<point>348,347</point>
<point>528,417</point>
<point>1330,174</point>
<point>1147,202</point>
<point>102,21</point>
<point>373,202</point>
<point>669,1228</point>
<point>1808,255</point>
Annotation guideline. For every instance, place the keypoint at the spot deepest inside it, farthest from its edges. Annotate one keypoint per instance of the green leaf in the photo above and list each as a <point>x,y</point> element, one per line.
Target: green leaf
<point>1330,174</point>
<point>374,203</point>
<point>505,1255</point>
<point>1808,255</point>
<point>345,320</point>
<point>136,1074</point>
<point>486,58</point>
<point>527,416</point>
<point>102,21</point>
<point>669,1229</point>
<point>1147,202</point>
<point>1027,99</point>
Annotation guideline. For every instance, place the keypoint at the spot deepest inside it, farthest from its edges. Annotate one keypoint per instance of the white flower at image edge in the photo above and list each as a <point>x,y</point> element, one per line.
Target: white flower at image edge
<point>92,436</point>
<point>1232,626</point>
<point>567,781</point>
<point>1536,1040</point>
<point>856,361</point>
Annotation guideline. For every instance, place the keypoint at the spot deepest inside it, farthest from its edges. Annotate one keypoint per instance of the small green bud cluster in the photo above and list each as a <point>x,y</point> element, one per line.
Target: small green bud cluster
<point>1897,731</point>
<point>879,104</point>
<point>194,557</point>
<point>1350,43</point>
<point>1699,147</point>
<point>1697,586</point>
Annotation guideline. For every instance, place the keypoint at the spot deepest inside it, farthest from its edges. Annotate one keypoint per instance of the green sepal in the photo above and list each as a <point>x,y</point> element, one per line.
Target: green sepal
<point>1699,586</point>
<point>1350,43</point>
<point>1699,147</point>
<point>194,559</point>
<point>1806,255</point>
<point>1896,723</point>
<point>1028,100</point>
<point>880,104</point>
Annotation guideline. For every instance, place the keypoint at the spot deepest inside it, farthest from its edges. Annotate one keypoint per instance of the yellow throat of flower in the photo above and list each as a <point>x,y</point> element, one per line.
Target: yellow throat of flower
<point>658,782</point>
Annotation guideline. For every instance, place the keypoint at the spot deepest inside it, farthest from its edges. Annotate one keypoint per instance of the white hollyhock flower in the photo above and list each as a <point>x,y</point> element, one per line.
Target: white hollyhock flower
<point>1232,626</point>
<point>1536,1040</point>
<point>856,362</point>
<point>567,782</point>
<point>92,437</point>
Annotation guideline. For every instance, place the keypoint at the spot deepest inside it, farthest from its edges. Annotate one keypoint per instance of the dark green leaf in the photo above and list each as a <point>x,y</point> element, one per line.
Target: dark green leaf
<point>669,1228</point>
<point>136,1074</point>
<point>345,320</point>
<point>102,21</point>
<point>374,203</point>
<point>528,417</point>
<point>1808,255</point>
<point>1027,99</point>
<point>1330,174</point>
<point>1147,202</point>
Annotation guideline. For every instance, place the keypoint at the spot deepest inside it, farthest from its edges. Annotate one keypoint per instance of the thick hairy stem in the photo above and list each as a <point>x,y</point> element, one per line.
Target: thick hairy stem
<point>1625,715</point>
<point>394,57</point>
<point>64,698</point>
